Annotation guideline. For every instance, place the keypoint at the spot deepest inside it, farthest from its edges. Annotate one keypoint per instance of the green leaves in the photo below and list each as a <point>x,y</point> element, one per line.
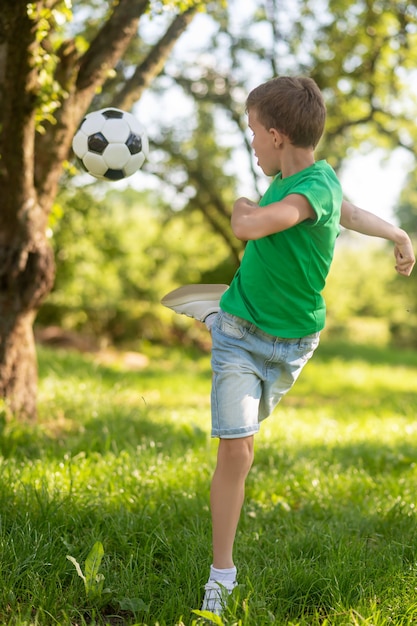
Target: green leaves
<point>210,617</point>
<point>49,24</point>
<point>93,579</point>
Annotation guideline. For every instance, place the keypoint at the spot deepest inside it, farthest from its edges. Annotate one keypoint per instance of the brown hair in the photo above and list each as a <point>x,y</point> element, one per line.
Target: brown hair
<point>294,106</point>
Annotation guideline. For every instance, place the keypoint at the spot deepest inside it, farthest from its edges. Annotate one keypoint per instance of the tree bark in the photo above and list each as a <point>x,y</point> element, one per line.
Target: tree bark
<point>18,364</point>
<point>27,278</point>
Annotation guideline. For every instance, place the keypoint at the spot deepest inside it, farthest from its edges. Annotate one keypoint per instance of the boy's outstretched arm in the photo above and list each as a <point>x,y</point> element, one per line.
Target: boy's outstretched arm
<point>354,218</point>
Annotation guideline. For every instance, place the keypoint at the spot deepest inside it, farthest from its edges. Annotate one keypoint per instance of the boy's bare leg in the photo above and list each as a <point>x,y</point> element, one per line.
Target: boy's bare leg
<point>234,460</point>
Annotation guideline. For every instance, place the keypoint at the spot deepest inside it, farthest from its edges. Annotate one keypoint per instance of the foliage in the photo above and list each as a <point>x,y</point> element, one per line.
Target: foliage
<point>366,78</point>
<point>362,281</point>
<point>406,209</point>
<point>116,257</point>
<point>193,164</point>
<point>49,23</point>
<point>363,290</point>
<point>123,457</point>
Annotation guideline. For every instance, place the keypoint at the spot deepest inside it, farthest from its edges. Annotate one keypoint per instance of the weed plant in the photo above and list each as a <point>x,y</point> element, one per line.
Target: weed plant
<point>120,462</point>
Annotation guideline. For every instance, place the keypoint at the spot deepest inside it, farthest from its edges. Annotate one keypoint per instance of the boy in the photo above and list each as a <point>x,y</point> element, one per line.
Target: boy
<point>271,316</point>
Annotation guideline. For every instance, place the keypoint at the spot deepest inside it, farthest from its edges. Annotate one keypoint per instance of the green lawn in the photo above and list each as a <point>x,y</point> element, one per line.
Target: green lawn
<point>328,535</point>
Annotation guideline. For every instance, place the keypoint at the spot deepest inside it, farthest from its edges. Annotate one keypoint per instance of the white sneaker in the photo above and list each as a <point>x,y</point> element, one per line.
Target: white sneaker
<point>216,595</point>
<point>197,301</point>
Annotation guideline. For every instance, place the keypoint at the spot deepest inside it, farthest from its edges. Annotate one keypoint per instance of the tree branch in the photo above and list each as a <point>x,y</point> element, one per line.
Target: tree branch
<point>153,63</point>
<point>103,54</point>
<point>110,43</point>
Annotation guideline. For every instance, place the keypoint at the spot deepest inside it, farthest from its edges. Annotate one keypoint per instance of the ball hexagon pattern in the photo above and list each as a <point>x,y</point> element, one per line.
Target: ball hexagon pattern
<point>110,144</point>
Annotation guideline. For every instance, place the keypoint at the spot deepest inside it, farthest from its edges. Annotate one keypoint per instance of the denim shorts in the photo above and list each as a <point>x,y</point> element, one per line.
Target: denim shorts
<point>252,371</point>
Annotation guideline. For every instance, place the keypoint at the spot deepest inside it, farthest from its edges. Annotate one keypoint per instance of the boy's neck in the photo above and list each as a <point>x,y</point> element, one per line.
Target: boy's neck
<point>295,160</point>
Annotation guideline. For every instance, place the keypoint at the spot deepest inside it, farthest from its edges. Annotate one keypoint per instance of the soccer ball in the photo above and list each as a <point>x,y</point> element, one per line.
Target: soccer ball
<point>110,144</point>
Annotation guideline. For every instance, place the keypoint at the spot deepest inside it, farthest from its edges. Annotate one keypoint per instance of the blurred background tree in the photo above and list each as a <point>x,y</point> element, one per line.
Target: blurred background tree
<point>115,257</point>
<point>362,56</point>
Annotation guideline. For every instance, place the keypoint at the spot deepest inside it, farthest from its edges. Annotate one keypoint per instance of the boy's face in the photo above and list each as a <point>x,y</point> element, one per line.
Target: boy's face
<point>266,145</point>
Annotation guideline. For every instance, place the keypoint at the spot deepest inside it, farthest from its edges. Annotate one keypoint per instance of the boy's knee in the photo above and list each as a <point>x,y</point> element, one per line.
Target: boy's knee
<point>239,452</point>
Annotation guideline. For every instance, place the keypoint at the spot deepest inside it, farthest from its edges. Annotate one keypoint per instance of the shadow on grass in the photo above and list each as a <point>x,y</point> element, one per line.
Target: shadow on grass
<point>368,461</point>
<point>165,363</point>
<point>330,349</point>
<point>109,432</point>
<point>95,408</point>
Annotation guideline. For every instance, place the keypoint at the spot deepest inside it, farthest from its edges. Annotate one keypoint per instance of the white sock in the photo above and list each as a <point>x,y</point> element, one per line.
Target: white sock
<point>209,321</point>
<point>223,575</point>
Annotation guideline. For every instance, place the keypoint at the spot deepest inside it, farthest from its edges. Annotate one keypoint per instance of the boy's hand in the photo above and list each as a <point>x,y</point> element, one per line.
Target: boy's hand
<point>404,256</point>
<point>244,205</point>
<point>361,221</point>
<point>242,208</point>
<point>251,221</point>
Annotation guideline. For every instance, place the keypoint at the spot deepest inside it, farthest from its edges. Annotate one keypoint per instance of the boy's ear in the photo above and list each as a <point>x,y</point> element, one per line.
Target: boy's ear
<point>277,137</point>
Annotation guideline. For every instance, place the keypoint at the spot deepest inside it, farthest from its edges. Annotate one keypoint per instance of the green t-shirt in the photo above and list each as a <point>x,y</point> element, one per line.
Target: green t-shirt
<point>279,283</point>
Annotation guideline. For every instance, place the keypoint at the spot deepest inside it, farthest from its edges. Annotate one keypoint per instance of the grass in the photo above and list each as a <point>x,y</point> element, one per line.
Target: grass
<point>328,535</point>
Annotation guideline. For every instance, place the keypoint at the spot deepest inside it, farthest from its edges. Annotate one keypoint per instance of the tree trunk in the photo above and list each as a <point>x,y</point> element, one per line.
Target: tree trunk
<point>26,277</point>
<point>18,363</point>
<point>26,259</point>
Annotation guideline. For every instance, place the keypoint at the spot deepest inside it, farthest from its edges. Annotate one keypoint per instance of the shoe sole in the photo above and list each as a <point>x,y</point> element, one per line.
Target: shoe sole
<point>190,293</point>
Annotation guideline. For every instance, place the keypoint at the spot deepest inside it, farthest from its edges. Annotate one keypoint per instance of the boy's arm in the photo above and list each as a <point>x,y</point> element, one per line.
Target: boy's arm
<point>251,221</point>
<point>354,218</point>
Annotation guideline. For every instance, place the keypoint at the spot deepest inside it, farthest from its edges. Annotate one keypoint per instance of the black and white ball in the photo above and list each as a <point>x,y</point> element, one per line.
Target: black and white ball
<point>110,144</point>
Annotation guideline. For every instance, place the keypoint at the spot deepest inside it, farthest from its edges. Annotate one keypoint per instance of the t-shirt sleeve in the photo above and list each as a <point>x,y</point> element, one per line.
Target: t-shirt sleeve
<point>321,195</point>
